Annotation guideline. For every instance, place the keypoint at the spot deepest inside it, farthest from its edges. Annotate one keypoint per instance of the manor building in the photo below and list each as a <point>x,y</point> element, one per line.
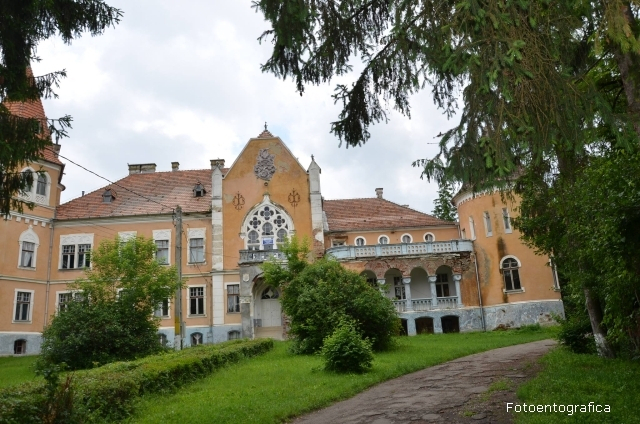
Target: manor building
<point>442,276</point>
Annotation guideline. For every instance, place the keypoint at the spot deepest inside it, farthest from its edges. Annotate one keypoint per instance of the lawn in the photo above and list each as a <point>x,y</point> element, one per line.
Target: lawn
<point>572,379</point>
<point>16,369</point>
<point>278,385</point>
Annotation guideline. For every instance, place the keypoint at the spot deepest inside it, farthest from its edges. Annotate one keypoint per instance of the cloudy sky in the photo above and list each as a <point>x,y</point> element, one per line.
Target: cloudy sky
<point>181,81</point>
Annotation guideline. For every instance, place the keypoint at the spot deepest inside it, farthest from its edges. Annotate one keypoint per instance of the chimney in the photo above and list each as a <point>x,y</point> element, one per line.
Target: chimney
<point>142,168</point>
<point>83,192</point>
<point>217,162</point>
<point>379,193</point>
<point>175,166</point>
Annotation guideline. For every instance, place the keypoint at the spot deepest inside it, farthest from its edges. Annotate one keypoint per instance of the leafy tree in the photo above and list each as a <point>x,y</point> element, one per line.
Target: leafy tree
<point>443,207</point>
<point>318,296</point>
<point>545,86</point>
<point>345,350</point>
<point>111,317</point>
<point>23,24</point>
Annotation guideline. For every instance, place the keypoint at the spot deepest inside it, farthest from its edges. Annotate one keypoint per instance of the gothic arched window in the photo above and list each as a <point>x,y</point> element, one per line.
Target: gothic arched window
<point>267,226</point>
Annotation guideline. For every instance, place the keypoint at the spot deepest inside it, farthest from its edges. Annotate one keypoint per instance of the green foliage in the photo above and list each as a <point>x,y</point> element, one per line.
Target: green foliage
<point>575,334</point>
<point>111,318</point>
<point>24,24</point>
<point>109,392</point>
<point>317,296</point>
<point>443,207</point>
<point>346,351</point>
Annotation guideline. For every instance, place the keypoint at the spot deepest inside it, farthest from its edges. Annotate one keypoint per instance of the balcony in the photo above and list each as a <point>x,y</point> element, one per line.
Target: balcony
<point>411,249</point>
<point>419,305</point>
<point>259,256</point>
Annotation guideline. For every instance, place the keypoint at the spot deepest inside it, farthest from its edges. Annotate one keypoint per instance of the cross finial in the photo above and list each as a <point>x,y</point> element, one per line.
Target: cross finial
<point>312,157</point>
<point>265,125</point>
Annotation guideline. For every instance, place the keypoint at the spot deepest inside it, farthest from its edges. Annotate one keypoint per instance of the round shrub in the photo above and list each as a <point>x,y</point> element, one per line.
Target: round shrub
<point>346,351</point>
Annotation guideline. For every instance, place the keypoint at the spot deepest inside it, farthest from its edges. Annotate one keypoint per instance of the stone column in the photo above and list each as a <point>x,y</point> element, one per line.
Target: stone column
<point>411,327</point>
<point>456,280</point>
<point>434,294</point>
<point>437,325</point>
<point>407,292</point>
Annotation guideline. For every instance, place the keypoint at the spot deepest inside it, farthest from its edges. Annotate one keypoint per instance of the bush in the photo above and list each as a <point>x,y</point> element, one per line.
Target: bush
<point>346,351</point>
<point>316,296</point>
<point>108,392</point>
<point>575,333</point>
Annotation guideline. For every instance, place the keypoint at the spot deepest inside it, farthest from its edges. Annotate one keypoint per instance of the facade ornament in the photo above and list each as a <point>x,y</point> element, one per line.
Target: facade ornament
<point>294,198</point>
<point>265,167</point>
<point>238,201</point>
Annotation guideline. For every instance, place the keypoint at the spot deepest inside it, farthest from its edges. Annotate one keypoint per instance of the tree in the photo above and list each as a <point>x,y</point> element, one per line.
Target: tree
<point>318,296</point>
<point>443,206</point>
<point>111,317</point>
<point>544,85</point>
<point>23,24</point>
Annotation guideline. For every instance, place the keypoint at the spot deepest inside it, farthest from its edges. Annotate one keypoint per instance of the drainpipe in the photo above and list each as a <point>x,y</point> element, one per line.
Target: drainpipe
<point>46,298</point>
<point>212,307</point>
<point>484,324</point>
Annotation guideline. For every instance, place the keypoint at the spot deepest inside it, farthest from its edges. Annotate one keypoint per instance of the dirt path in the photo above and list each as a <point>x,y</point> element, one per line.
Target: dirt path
<point>473,389</point>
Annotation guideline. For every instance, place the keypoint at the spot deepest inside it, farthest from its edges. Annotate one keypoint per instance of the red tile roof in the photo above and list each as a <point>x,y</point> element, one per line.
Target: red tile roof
<point>374,214</point>
<point>162,192</point>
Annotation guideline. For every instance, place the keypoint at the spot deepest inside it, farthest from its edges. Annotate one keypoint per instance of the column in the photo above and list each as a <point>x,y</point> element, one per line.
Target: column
<point>411,327</point>
<point>407,292</point>
<point>434,294</point>
<point>437,324</point>
<point>456,280</point>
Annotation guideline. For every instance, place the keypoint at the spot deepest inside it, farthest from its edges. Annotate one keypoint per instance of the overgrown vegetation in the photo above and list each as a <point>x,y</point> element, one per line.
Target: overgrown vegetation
<point>277,386</point>
<point>573,379</point>
<point>318,296</point>
<point>109,392</point>
<point>346,351</point>
<point>110,317</point>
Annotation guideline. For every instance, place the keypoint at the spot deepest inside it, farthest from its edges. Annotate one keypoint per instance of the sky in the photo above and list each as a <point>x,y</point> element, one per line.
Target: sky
<point>181,81</point>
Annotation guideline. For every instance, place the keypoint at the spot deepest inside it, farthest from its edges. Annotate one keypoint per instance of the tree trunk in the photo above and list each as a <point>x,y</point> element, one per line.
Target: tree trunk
<point>629,66</point>
<point>595,316</point>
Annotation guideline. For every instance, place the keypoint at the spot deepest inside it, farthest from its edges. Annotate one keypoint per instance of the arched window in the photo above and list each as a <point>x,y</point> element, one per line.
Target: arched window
<point>29,243</point>
<point>20,347</point>
<point>266,225</point>
<point>196,339</point>
<point>511,274</point>
<point>41,187</point>
<point>233,335</point>
<point>406,238</point>
<point>360,241</point>
<point>383,240</point>
<point>428,237</point>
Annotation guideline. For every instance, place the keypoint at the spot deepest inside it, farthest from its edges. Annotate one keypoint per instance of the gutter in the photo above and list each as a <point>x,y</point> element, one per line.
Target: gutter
<point>49,259</point>
<point>484,324</point>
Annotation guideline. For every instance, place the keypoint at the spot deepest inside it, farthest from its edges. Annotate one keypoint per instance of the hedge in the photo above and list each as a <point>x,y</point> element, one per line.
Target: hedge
<point>107,393</point>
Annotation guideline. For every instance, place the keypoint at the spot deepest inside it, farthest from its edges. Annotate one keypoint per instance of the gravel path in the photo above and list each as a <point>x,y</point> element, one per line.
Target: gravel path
<point>453,392</point>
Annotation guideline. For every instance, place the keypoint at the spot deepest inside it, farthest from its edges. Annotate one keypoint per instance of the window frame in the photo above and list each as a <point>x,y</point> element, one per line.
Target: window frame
<point>76,240</point>
<point>195,249</point>
<point>31,193</point>
<point>24,346</point>
<point>234,295</point>
<point>74,295</point>
<point>191,338</point>
<point>506,221</point>
<point>204,301</point>
<point>15,306</point>
<point>472,228</point>
<point>406,235</point>
<point>234,332</point>
<point>488,227</point>
<point>277,218</point>
<point>28,236</point>
<point>195,234</point>
<point>510,271</point>
<point>160,308</point>
<point>380,239</point>
<point>364,241</point>
<point>433,237</point>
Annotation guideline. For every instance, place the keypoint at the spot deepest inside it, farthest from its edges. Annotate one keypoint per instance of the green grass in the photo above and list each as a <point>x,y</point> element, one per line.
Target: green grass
<point>16,370</point>
<point>279,385</point>
<point>572,379</point>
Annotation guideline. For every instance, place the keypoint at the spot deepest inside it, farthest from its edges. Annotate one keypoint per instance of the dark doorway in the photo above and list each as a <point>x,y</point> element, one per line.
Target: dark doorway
<point>424,325</point>
<point>450,324</point>
<point>404,331</point>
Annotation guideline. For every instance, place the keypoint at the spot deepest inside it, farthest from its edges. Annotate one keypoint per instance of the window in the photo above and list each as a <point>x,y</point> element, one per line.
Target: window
<point>282,237</point>
<point>63,300</point>
<point>406,238</point>
<point>511,274</point>
<point>75,251</point>
<point>20,347</point>
<point>442,285</point>
<point>429,237</point>
<point>26,257</point>
<point>360,241</point>
<point>196,300</point>
<point>196,339</point>
<point>162,251</point>
<point>253,242</point>
<point>233,298</point>
<point>163,309</point>
<point>506,220</point>
<point>487,224</point>
<point>554,274</point>
<point>198,190</point>
<point>23,306</point>
<point>335,243</point>
<point>162,338</point>
<point>233,335</point>
<point>267,226</point>
<point>108,196</point>
<point>196,250</point>
<point>398,286</point>
<point>383,240</point>
<point>41,187</point>
<point>472,228</point>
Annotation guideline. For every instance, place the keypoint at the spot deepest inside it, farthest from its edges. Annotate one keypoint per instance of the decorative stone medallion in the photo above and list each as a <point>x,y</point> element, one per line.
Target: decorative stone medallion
<point>265,167</point>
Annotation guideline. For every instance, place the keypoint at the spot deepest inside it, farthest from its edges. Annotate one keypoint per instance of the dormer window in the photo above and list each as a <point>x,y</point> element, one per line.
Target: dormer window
<point>108,196</point>
<point>198,190</point>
